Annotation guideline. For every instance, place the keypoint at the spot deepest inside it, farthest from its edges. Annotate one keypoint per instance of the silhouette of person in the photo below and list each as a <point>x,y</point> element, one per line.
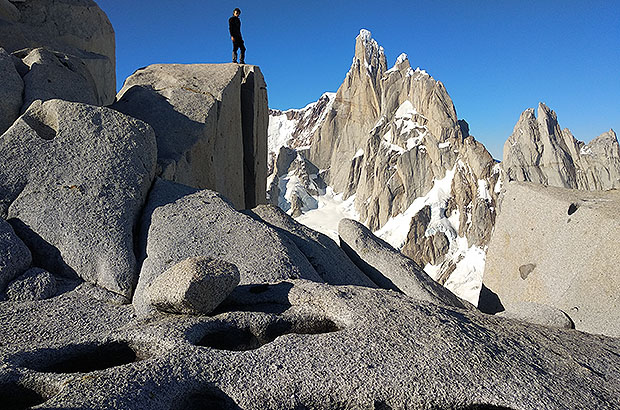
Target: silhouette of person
<point>234,26</point>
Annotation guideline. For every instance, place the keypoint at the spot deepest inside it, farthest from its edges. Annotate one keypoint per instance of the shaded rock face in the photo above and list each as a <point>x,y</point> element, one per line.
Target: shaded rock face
<point>72,184</point>
<point>15,257</point>
<point>388,268</point>
<point>180,222</point>
<point>308,340</point>
<point>211,125</point>
<point>558,247</point>
<point>422,248</point>
<point>78,28</point>
<point>11,91</point>
<point>326,257</point>
<point>540,151</point>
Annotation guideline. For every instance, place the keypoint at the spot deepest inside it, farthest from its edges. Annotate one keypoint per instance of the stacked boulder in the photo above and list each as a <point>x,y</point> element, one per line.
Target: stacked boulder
<point>77,33</point>
<point>211,125</point>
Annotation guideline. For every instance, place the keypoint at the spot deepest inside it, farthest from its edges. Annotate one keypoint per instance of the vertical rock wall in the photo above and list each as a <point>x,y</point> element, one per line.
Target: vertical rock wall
<point>211,125</point>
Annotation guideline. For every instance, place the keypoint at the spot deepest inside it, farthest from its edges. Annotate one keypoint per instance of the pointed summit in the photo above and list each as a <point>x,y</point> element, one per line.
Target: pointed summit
<point>369,54</point>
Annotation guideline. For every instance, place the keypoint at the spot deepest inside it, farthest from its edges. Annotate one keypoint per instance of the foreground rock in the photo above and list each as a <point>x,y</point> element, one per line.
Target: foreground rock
<point>180,222</point>
<point>558,247</point>
<point>538,314</point>
<point>388,268</point>
<point>72,183</point>
<point>77,27</point>
<point>540,151</point>
<point>194,286</point>
<point>299,344</point>
<point>35,284</point>
<point>15,257</point>
<point>327,258</point>
<point>211,125</point>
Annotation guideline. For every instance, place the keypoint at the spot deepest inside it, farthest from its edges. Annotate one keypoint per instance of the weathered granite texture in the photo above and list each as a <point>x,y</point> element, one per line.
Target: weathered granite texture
<point>299,344</point>
<point>75,27</point>
<point>15,257</point>
<point>558,247</point>
<point>211,125</point>
<point>194,286</point>
<point>388,268</point>
<point>73,180</point>
<point>180,222</point>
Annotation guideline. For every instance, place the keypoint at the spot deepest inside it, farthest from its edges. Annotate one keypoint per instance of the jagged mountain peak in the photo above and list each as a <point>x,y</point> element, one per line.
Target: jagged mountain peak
<point>540,151</point>
<point>369,55</point>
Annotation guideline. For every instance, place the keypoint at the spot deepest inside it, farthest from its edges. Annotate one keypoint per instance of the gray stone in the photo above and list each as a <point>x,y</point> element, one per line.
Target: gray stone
<point>388,268</point>
<point>180,222</point>
<point>73,182</point>
<point>299,344</point>
<point>421,248</point>
<point>558,247</point>
<point>540,151</point>
<point>327,258</point>
<point>34,284</point>
<point>15,257</point>
<point>211,125</point>
<point>11,91</point>
<point>538,314</point>
<point>8,11</point>
<point>75,27</point>
<point>55,75</point>
<point>193,286</point>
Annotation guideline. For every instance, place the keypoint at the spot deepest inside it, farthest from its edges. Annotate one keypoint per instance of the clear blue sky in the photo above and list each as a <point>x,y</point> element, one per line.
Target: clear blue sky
<point>495,57</point>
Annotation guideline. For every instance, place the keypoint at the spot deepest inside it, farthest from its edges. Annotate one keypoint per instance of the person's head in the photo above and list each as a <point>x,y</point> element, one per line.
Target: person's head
<point>236,12</point>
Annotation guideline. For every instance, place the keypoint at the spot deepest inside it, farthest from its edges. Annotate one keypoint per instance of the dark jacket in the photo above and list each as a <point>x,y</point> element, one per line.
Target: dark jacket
<point>234,26</point>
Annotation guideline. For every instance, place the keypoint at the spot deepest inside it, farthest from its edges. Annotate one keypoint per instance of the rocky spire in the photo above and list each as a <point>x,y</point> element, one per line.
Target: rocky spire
<point>540,151</point>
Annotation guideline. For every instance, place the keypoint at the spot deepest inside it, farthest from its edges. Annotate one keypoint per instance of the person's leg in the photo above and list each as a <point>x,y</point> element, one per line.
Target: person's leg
<point>234,53</point>
<point>242,56</point>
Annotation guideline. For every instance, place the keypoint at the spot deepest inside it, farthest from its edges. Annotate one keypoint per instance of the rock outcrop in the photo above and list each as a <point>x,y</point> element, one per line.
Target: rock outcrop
<point>54,75</point>
<point>540,151</point>
<point>211,125</point>
<point>34,284</point>
<point>73,180</point>
<point>298,344</point>
<point>180,222</point>
<point>558,247</point>
<point>76,28</point>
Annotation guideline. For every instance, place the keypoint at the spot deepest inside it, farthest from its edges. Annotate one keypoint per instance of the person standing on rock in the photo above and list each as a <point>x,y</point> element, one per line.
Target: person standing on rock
<point>234,26</point>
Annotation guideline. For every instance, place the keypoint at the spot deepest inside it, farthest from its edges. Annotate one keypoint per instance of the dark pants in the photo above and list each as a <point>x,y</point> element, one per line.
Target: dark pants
<point>238,45</point>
